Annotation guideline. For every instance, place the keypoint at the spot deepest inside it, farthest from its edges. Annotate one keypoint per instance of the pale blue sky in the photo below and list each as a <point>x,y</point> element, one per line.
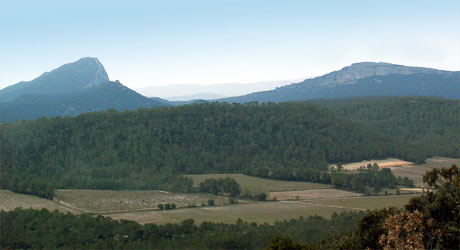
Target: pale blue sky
<point>144,43</point>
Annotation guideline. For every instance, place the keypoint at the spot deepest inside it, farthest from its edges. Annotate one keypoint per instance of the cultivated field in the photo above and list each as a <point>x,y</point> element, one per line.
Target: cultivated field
<point>9,201</point>
<point>372,202</point>
<point>266,212</point>
<point>260,185</point>
<point>311,194</point>
<point>387,163</point>
<point>104,201</point>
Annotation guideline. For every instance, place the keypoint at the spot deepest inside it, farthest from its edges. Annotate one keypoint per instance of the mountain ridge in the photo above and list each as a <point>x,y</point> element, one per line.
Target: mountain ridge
<point>367,74</point>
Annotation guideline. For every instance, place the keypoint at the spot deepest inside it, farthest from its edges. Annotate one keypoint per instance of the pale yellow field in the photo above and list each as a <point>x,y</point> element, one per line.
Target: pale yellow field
<point>9,201</point>
<point>387,163</point>
<point>256,185</point>
<point>311,194</point>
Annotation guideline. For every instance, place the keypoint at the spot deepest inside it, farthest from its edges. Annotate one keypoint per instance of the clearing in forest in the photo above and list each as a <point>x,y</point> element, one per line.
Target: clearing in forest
<point>255,185</point>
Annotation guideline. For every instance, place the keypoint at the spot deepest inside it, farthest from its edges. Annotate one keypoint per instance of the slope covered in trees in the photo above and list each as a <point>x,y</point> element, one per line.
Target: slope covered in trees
<point>151,148</point>
<point>146,148</point>
<point>429,124</point>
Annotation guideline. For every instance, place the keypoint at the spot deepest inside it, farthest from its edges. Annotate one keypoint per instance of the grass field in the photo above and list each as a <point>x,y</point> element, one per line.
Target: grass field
<point>104,201</point>
<point>9,201</point>
<point>311,194</point>
<point>266,212</point>
<point>260,185</point>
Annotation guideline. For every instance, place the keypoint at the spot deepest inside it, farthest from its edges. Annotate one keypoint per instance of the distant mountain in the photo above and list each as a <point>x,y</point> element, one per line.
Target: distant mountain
<point>198,96</point>
<point>365,79</point>
<point>224,89</point>
<point>72,89</point>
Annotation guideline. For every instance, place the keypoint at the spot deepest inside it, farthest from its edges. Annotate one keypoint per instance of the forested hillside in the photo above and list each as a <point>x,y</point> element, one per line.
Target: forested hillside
<point>146,148</point>
<point>429,124</point>
<point>151,148</point>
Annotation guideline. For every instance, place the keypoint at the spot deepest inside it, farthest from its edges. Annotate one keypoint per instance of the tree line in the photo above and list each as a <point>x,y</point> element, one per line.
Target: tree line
<point>42,229</point>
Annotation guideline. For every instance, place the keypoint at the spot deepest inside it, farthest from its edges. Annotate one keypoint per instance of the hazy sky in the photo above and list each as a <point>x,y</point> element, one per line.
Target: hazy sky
<point>144,43</point>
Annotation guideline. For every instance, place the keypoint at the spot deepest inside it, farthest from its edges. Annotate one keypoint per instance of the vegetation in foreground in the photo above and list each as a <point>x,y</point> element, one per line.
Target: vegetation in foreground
<point>24,229</point>
<point>431,221</point>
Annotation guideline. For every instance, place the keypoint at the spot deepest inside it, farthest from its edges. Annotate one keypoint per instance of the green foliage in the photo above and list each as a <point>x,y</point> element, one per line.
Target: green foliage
<point>211,202</point>
<point>423,127</point>
<point>41,229</point>
<point>285,242</point>
<point>439,210</point>
<point>260,197</point>
<point>221,186</point>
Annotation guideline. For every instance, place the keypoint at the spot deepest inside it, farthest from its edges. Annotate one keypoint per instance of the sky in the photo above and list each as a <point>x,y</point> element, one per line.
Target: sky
<point>147,43</point>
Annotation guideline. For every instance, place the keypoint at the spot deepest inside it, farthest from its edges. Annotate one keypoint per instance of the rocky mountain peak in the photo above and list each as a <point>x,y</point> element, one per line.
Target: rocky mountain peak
<point>69,78</point>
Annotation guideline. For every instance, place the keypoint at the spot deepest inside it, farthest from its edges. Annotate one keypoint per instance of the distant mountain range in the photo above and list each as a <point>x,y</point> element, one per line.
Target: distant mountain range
<point>72,89</point>
<point>84,86</point>
<point>193,91</point>
<point>365,79</point>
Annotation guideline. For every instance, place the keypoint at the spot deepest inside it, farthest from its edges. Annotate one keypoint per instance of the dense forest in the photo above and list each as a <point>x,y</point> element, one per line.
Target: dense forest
<point>429,124</point>
<point>152,148</point>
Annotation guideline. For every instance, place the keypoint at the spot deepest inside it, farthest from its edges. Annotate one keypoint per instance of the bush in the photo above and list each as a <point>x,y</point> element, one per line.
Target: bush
<point>160,206</point>
<point>211,202</point>
<point>260,197</point>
